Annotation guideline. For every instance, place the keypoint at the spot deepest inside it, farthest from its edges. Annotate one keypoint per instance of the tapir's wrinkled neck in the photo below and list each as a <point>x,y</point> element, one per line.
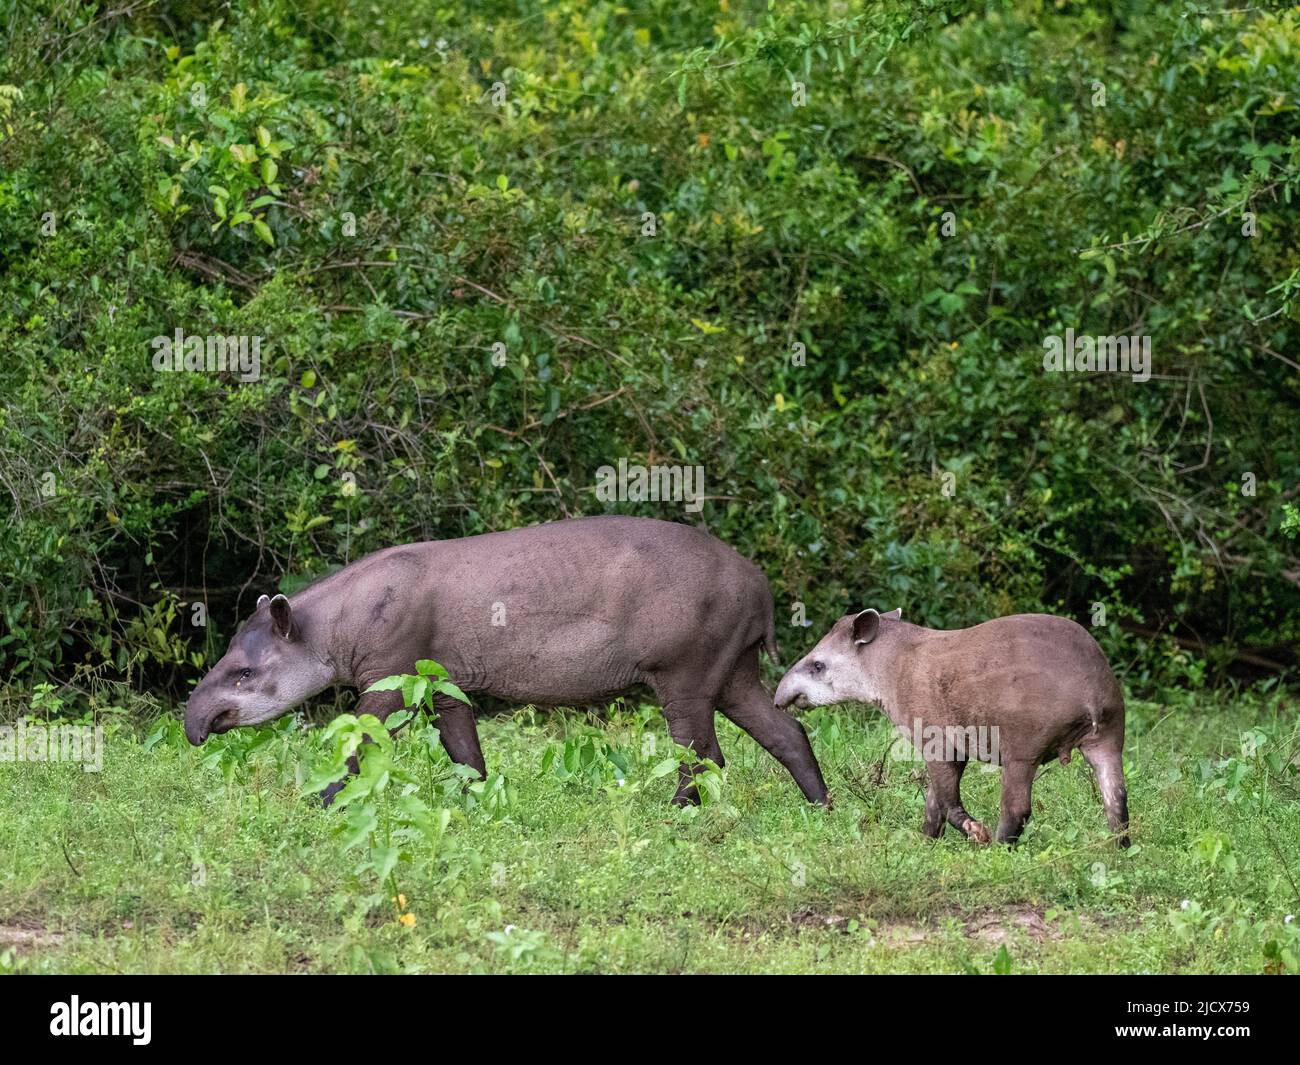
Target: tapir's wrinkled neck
<point>317,614</point>
<point>353,620</point>
<point>892,670</point>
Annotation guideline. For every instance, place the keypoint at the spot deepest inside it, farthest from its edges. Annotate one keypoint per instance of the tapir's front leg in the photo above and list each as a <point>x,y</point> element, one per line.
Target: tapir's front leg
<point>381,705</point>
<point>459,733</point>
<point>455,724</point>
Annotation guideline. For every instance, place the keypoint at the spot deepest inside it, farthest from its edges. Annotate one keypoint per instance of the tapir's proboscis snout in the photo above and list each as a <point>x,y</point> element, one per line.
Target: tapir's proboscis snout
<point>788,693</point>
<point>204,717</point>
<point>207,714</point>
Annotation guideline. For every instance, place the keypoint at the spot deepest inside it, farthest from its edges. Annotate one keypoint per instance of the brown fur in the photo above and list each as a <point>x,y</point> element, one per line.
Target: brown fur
<point>1040,681</point>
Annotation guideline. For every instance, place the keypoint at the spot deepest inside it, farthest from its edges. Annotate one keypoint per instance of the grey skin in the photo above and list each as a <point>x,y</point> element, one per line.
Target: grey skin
<point>1041,680</point>
<point>568,613</point>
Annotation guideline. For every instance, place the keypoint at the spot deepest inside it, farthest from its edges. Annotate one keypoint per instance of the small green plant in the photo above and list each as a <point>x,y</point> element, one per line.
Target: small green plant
<point>236,754</point>
<point>419,688</point>
<point>709,780</point>
<point>385,831</point>
<point>1214,849</point>
<point>1291,520</point>
<point>1247,776</point>
<point>168,731</point>
<point>521,943</point>
<point>1192,920</point>
<point>495,796</point>
<point>46,702</point>
<point>588,761</point>
<point>388,832</point>
<point>1282,951</point>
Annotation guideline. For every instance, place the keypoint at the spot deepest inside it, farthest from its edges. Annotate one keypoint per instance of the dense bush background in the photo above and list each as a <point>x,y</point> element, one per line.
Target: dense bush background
<point>498,159</point>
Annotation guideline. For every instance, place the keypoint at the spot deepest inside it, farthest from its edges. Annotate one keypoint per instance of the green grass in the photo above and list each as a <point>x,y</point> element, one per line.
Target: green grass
<point>212,860</point>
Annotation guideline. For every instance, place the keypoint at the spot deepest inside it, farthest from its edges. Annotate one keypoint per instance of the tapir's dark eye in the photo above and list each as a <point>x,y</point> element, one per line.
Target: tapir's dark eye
<point>244,674</point>
<point>816,667</point>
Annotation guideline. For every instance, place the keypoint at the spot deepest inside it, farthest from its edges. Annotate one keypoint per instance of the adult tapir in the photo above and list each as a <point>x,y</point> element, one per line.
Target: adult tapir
<point>566,613</point>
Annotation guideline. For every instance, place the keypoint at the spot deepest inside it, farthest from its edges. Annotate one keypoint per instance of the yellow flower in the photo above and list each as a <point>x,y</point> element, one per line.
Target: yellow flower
<point>408,919</point>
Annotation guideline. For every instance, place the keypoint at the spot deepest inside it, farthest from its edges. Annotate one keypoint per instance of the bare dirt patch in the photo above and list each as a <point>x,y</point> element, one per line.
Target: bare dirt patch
<point>25,939</point>
<point>890,933</point>
<point>997,926</point>
<point>813,919</point>
<point>994,926</point>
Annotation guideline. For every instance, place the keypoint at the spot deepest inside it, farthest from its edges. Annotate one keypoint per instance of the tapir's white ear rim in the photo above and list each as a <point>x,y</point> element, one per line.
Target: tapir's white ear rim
<point>896,614</point>
<point>281,616</point>
<point>262,601</point>
<point>866,626</point>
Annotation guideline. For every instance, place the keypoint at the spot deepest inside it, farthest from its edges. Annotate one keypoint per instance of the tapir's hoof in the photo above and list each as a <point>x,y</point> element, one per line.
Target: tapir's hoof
<point>976,831</point>
<point>327,796</point>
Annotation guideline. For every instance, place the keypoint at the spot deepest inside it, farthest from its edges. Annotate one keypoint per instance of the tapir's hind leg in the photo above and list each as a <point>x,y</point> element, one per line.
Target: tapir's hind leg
<point>459,733</point>
<point>455,724</point>
<point>690,724</point>
<point>1017,792</point>
<point>1107,761</point>
<point>747,703</point>
<point>943,803</point>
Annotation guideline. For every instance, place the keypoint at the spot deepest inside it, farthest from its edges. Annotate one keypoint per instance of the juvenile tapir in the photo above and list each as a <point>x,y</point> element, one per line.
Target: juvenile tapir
<point>1016,691</point>
<point>567,613</point>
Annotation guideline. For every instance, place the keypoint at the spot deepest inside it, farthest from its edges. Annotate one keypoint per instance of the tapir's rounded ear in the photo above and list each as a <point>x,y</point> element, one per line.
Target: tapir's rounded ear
<point>281,617</point>
<point>896,614</point>
<point>865,627</point>
<point>262,601</point>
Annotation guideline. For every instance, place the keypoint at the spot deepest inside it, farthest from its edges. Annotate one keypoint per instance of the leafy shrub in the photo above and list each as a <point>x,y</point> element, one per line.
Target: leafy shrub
<point>433,215</point>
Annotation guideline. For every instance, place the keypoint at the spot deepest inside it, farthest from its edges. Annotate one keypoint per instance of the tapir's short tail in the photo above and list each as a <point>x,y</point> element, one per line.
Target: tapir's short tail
<point>769,641</point>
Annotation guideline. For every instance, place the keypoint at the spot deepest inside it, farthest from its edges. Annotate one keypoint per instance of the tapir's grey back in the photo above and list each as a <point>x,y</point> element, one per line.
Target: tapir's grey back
<point>561,613</point>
